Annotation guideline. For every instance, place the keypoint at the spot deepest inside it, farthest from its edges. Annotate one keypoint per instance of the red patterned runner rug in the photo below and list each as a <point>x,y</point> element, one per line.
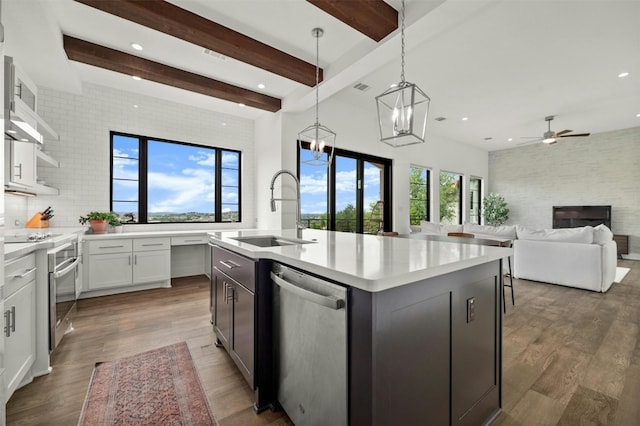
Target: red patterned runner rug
<point>158,387</point>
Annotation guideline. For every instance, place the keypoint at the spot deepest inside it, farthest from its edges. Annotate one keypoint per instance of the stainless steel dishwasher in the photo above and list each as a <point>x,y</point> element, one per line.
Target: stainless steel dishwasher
<point>310,332</point>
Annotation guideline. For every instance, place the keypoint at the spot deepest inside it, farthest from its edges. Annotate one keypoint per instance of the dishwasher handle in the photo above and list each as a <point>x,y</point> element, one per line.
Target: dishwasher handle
<point>331,302</point>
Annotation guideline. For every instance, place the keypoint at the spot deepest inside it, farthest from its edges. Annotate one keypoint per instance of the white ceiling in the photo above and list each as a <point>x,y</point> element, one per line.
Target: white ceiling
<point>503,64</point>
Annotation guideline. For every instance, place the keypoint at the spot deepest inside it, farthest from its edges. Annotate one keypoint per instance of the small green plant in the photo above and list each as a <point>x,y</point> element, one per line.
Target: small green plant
<point>494,209</point>
<point>112,218</point>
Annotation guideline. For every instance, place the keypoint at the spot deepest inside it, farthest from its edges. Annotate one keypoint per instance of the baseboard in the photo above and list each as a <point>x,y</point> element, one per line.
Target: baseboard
<point>631,256</point>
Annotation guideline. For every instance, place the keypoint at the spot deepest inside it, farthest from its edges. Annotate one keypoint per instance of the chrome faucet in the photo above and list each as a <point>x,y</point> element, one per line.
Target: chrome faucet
<point>299,226</point>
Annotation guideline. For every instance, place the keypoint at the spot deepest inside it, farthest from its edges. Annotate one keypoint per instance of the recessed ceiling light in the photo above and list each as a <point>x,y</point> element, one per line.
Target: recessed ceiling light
<point>623,74</point>
<point>135,106</point>
<point>260,86</point>
<point>465,118</point>
<point>510,140</point>
<point>24,140</point>
<point>241,105</point>
<point>223,124</point>
<point>638,115</point>
<point>393,85</point>
<point>11,132</point>
<point>136,46</point>
<point>136,78</point>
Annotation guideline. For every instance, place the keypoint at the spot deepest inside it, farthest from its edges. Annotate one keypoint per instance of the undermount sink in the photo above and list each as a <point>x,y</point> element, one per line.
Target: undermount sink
<point>270,241</point>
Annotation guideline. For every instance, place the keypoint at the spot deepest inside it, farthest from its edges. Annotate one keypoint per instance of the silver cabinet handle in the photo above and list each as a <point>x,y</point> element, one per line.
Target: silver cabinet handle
<point>19,167</point>
<point>150,245</point>
<point>27,272</point>
<point>72,263</point>
<point>13,319</point>
<point>193,241</point>
<point>331,302</point>
<point>229,264</point>
<point>129,260</point>
<point>103,247</point>
<point>135,259</point>
<point>7,323</point>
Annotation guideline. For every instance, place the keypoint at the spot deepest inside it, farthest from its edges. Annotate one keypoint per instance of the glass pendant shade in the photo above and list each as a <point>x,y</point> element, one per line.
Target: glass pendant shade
<point>402,114</point>
<point>321,141</point>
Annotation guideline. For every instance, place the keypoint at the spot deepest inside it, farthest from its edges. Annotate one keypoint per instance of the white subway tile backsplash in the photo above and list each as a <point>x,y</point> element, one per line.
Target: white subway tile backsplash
<point>84,122</point>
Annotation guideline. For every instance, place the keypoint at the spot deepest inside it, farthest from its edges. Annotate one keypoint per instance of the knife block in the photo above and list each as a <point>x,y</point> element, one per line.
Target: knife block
<point>37,222</point>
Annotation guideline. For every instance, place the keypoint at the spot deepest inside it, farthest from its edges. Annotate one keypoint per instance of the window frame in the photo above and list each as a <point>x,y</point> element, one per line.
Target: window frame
<point>386,186</point>
<point>479,210</point>
<point>427,191</point>
<point>143,183</point>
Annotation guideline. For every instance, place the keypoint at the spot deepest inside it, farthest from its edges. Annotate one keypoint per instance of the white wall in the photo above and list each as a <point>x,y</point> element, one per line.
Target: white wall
<point>602,169</point>
<point>83,123</point>
<point>357,130</point>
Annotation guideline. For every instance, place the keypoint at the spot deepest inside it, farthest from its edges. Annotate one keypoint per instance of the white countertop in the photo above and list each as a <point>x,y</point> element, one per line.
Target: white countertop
<point>61,236</point>
<point>369,262</point>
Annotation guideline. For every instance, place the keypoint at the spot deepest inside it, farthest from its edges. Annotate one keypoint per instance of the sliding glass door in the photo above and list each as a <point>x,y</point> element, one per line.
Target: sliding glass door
<point>350,196</point>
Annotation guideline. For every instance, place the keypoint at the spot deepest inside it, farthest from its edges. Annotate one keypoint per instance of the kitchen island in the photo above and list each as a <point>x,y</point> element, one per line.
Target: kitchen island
<point>423,321</point>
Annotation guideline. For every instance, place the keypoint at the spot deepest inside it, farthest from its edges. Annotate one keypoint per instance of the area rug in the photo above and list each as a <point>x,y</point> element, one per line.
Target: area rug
<point>158,387</point>
<point>620,274</point>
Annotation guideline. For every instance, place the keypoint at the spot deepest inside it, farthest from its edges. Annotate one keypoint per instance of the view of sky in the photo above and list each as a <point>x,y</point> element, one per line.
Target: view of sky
<point>181,178</point>
<point>313,185</point>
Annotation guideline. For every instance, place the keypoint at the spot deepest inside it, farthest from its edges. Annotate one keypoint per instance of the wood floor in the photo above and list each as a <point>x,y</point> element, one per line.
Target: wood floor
<point>571,357</point>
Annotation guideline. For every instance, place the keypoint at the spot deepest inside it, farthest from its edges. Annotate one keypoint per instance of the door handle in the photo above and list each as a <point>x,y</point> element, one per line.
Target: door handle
<point>7,323</point>
<point>331,302</point>
<point>13,319</point>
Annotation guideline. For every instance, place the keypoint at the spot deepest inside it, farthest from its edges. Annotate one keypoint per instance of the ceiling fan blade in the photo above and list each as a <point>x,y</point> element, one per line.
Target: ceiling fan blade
<point>563,132</point>
<point>575,135</point>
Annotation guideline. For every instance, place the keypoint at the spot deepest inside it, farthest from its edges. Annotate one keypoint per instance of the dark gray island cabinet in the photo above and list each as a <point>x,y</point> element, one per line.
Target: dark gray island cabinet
<point>427,352</point>
<point>423,327</point>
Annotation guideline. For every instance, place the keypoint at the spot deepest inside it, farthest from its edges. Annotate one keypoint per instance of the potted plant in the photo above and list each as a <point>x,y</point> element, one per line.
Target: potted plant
<point>116,224</point>
<point>494,209</point>
<point>98,220</point>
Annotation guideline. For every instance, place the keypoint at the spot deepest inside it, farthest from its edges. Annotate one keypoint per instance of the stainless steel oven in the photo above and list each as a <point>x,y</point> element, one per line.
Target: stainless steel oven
<point>63,276</point>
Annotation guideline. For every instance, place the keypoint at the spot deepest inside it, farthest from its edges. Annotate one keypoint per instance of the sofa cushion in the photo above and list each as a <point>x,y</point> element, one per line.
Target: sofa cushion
<point>437,228</point>
<point>583,235</point>
<point>504,231</point>
<point>602,234</point>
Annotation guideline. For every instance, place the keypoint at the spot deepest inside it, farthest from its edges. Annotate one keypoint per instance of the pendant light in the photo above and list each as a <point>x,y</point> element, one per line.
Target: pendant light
<point>403,109</point>
<point>321,139</point>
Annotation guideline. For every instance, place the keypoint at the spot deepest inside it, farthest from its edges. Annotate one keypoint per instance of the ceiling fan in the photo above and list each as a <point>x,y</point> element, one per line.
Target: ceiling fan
<point>550,137</point>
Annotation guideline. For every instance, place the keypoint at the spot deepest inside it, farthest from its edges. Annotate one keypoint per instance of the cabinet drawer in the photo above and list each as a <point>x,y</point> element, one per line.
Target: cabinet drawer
<point>19,272</point>
<point>110,246</point>
<point>235,266</point>
<point>146,244</point>
<point>189,240</point>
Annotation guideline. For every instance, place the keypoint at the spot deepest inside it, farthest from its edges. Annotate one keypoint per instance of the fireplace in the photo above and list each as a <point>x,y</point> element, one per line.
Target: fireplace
<point>576,216</point>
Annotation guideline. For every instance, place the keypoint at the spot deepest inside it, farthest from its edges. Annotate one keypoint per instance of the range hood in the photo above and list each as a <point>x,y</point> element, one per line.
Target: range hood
<point>22,123</point>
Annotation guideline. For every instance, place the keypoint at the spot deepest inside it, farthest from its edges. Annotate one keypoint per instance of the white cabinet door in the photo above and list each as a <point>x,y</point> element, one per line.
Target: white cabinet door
<point>149,266</point>
<point>19,335</point>
<point>20,163</point>
<point>110,270</point>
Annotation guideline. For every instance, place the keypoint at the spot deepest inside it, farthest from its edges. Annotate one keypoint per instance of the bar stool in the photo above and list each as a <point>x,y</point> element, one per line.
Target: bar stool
<point>513,298</point>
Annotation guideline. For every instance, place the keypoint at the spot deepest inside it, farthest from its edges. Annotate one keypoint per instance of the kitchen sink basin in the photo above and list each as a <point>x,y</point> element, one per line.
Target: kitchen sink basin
<point>270,241</point>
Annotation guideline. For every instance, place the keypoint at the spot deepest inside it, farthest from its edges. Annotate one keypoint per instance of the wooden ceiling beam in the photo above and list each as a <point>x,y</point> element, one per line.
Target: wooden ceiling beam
<point>177,22</point>
<point>115,60</point>
<point>373,18</point>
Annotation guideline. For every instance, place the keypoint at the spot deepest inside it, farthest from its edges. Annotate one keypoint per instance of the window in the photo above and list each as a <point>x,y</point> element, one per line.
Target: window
<point>450,198</point>
<point>353,195</point>
<point>419,201</point>
<point>475,189</point>
<point>158,181</point>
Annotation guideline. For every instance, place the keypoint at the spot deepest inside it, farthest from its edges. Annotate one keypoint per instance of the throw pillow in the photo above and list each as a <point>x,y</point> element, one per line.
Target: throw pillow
<point>504,231</point>
<point>429,227</point>
<point>602,234</point>
<point>583,235</point>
